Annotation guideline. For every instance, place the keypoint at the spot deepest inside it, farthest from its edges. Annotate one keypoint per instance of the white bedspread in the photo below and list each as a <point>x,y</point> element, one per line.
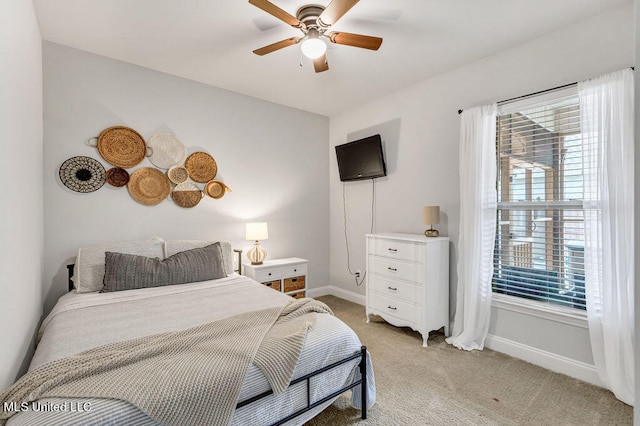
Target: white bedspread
<point>84,321</point>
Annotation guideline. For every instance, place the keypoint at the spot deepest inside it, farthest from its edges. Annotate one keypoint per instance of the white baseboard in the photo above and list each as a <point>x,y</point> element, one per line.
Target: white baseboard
<point>330,290</point>
<point>554,362</point>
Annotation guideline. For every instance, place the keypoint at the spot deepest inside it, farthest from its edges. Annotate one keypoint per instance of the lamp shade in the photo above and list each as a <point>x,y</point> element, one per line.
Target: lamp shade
<point>257,231</point>
<point>431,215</point>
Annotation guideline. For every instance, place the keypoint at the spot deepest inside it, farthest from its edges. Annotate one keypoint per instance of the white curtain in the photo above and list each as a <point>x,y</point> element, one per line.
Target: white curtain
<point>478,201</point>
<point>606,120</point>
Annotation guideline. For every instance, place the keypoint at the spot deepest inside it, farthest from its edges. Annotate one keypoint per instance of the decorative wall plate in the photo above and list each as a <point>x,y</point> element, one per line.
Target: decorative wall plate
<point>82,174</point>
<point>121,146</point>
<point>201,166</point>
<point>187,195</point>
<point>149,186</point>
<point>166,150</point>
<point>216,189</point>
<point>117,177</point>
<point>178,174</point>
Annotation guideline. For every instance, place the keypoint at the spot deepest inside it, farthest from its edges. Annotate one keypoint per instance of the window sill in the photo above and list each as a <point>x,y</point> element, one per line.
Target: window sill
<point>574,317</point>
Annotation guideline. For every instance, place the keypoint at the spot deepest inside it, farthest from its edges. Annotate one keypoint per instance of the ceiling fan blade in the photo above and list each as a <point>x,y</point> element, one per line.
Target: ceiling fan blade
<point>355,40</point>
<point>334,11</point>
<point>320,64</point>
<point>274,10</point>
<point>276,46</point>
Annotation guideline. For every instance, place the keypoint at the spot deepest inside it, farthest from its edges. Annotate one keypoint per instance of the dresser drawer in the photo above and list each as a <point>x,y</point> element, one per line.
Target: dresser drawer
<point>294,271</point>
<point>395,289</point>
<point>268,275</point>
<point>298,295</point>
<point>397,249</point>
<point>391,268</point>
<point>396,308</point>
<point>273,284</point>
<point>295,283</point>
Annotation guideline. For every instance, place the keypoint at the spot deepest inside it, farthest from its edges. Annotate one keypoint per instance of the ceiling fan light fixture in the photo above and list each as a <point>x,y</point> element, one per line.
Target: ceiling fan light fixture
<point>312,46</point>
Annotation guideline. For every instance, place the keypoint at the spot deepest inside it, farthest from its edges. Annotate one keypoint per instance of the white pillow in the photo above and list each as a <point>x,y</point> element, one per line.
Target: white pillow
<point>88,273</point>
<point>172,247</point>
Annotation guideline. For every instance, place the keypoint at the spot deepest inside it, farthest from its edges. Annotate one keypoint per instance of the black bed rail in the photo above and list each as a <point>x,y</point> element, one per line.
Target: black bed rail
<point>362,382</point>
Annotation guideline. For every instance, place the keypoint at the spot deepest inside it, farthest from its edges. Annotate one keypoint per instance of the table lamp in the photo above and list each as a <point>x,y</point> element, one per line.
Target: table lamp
<point>257,231</point>
<point>431,216</point>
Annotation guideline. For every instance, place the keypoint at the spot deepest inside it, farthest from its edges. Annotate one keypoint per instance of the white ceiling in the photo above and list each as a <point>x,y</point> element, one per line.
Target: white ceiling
<point>211,41</point>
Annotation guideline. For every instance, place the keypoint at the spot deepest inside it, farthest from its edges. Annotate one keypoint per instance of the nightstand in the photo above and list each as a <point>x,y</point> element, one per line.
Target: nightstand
<point>284,275</point>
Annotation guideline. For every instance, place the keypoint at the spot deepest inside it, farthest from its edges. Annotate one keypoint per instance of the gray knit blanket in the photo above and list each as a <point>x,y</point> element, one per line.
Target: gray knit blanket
<point>192,376</point>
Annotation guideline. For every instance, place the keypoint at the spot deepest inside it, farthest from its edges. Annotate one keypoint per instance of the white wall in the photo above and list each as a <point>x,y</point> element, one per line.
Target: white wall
<point>421,129</point>
<point>274,159</point>
<point>21,223</point>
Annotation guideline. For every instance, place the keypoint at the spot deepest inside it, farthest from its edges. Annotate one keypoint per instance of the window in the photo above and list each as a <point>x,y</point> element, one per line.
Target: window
<point>539,245</point>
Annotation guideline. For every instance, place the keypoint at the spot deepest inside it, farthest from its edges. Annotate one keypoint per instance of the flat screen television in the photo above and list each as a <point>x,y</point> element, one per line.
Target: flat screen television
<point>361,159</point>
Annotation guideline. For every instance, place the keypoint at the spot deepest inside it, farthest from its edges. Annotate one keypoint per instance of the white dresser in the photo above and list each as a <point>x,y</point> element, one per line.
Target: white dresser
<point>408,281</point>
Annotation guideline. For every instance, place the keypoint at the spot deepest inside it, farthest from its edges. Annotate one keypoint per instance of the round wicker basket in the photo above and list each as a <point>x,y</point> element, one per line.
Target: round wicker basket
<point>186,195</point>
<point>117,177</point>
<point>121,146</point>
<point>178,174</point>
<point>149,186</point>
<point>166,150</point>
<point>201,166</point>
<point>216,189</point>
<point>82,174</point>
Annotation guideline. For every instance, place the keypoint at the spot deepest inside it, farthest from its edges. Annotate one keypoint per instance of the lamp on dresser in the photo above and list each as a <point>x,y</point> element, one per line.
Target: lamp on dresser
<point>257,231</point>
<point>431,216</point>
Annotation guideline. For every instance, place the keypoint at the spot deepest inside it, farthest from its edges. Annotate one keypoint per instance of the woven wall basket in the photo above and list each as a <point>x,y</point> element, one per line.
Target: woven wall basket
<point>82,174</point>
<point>149,186</point>
<point>121,146</point>
<point>117,177</point>
<point>166,150</point>
<point>187,195</point>
<point>178,174</point>
<point>201,166</point>
<point>216,189</point>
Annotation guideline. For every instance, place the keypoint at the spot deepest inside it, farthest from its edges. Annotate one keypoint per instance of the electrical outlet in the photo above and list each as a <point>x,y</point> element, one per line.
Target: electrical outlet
<point>358,273</point>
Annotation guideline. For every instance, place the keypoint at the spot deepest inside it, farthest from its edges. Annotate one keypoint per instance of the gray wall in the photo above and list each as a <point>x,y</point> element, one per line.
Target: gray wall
<point>636,409</point>
<point>21,226</point>
<point>420,126</point>
<point>274,159</point>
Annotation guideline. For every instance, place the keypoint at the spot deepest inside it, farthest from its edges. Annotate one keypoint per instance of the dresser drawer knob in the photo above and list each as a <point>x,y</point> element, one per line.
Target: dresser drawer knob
<point>392,308</point>
<point>392,249</point>
<point>392,269</point>
<point>393,288</point>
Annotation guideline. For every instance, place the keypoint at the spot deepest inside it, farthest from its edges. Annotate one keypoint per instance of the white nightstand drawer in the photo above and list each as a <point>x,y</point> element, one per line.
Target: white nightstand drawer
<point>395,269</point>
<point>268,275</point>
<point>294,271</point>
<point>396,249</point>
<point>396,308</point>
<point>395,289</point>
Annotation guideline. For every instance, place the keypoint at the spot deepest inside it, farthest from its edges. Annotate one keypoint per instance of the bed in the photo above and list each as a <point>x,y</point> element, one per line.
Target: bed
<point>303,360</point>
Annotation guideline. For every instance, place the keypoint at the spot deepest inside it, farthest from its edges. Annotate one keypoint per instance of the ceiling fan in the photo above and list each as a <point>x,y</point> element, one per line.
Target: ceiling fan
<point>314,21</point>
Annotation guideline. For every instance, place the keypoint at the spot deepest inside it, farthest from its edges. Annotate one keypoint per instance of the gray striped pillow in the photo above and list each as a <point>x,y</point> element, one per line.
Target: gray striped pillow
<point>129,271</point>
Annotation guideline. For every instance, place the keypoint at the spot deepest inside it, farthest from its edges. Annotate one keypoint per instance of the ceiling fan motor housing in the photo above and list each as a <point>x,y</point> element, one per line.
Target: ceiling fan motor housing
<point>309,15</point>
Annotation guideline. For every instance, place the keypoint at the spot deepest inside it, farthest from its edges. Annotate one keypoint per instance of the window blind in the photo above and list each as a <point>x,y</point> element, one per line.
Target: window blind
<point>539,245</point>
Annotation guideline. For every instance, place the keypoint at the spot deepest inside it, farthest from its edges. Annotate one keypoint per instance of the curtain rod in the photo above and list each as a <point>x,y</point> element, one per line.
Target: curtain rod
<point>536,93</point>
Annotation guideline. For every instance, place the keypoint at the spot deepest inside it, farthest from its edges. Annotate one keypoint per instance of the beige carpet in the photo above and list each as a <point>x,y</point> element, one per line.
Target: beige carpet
<point>441,385</point>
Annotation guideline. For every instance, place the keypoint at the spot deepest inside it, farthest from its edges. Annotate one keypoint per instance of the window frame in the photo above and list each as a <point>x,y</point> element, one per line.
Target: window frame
<point>544,309</point>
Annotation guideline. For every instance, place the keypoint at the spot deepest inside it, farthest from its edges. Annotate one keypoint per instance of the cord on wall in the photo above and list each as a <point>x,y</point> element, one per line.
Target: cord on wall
<point>356,275</point>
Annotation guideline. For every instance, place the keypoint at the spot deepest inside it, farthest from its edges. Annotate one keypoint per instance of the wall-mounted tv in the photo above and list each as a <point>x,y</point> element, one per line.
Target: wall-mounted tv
<point>361,159</point>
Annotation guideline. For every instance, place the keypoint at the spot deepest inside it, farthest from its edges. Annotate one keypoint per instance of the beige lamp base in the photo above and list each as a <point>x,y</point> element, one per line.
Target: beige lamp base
<point>256,254</point>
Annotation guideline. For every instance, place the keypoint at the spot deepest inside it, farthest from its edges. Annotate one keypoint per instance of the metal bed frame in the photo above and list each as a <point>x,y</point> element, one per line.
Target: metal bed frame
<point>362,354</point>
